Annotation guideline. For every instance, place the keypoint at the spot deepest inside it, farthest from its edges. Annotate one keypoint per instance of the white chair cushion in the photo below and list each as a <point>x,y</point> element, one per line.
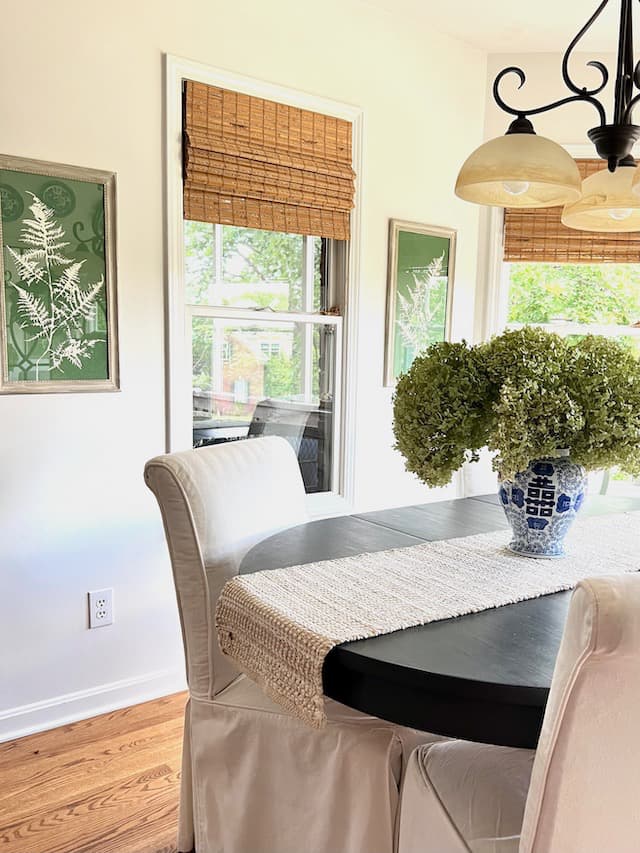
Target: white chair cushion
<point>460,796</point>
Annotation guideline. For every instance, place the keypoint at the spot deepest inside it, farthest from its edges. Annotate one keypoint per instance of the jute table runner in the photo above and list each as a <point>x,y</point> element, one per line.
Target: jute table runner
<point>279,625</point>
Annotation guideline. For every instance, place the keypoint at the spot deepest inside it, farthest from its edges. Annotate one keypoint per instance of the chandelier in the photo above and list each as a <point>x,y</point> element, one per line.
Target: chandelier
<point>522,169</point>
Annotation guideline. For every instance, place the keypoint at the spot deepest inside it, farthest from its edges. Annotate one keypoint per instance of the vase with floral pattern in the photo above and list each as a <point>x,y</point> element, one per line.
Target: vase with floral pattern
<point>541,504</point>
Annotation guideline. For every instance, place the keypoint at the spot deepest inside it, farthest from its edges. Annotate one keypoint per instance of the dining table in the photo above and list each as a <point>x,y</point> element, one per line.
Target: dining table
<point>481,677</point>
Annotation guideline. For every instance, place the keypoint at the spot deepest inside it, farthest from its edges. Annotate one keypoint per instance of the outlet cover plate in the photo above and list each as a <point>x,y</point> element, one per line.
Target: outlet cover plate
<point>100,608</point>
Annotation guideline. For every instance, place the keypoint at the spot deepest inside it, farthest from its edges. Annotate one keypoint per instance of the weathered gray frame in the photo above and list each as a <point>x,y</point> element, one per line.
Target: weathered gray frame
<point>108,180</point>
<point>395,226</point>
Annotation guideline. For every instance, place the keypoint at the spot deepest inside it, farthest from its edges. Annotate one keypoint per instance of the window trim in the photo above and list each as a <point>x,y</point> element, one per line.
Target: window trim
<point>177,326</point>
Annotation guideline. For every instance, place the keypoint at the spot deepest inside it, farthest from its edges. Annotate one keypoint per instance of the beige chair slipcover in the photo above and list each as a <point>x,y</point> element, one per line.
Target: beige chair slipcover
<point>579,792</point>
<point>254,779</point>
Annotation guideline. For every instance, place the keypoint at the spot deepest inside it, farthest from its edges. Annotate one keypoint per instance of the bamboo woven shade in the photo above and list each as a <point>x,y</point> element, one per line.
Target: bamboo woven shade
<point>537,234</point>
<point>260,164</point>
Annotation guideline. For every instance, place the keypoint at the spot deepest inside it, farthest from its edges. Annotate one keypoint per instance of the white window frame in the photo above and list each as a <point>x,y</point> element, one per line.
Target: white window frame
<point>178,316</point>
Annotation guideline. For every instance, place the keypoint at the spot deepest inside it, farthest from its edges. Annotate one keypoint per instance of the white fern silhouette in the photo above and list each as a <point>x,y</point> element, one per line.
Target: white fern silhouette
<point>418,310</point>
<point>52,304</point>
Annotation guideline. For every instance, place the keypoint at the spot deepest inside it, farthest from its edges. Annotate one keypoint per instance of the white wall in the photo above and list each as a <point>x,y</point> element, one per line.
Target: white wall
<point>82,84</point>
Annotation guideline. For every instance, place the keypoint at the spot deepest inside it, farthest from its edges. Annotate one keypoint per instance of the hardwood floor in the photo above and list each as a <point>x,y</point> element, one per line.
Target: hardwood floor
<point>105,785</point>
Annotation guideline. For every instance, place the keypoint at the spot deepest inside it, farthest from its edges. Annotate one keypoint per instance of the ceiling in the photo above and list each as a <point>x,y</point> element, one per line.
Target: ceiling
<point>506,26</point>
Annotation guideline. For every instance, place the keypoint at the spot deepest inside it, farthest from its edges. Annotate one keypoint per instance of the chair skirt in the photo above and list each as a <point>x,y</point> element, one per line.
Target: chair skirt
<point>256,780</point>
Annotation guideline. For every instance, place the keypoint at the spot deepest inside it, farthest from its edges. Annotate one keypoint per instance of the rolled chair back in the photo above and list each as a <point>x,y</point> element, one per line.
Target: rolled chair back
<point>584,786</point>
<point>216,503</point>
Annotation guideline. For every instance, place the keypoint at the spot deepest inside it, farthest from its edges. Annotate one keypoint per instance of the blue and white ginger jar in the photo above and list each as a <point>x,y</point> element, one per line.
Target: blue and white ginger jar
<point>541,504</point>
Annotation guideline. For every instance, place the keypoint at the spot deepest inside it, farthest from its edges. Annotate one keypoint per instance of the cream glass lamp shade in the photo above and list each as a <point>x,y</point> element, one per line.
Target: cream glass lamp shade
<point>519,170</point>
<point>607,203</point>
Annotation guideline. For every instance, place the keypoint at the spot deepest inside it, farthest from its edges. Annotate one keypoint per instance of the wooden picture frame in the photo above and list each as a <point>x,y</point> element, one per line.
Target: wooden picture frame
<point>58,312</point>
<point>419,292</point>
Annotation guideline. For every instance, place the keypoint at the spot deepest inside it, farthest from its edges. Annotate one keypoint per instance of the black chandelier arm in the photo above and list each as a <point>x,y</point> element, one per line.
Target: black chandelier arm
<point>624,70</point>
<point>581,95</point>
<point>582,90</point>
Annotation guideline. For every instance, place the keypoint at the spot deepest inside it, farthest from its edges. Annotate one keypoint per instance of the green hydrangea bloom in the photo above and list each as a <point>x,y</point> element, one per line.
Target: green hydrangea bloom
<point>525,394</point>
<point>441,411</point>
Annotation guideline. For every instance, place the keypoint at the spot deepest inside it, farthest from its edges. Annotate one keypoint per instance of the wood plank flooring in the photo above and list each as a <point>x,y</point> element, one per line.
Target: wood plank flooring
<point>105,785</point>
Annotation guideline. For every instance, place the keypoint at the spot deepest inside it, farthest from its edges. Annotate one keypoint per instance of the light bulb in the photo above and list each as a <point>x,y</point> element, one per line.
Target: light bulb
<point>515,187</point>
<point>620,213</point>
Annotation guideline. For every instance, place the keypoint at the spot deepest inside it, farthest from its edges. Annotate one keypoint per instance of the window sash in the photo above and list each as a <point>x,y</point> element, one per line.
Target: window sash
<point>311,319</point>
<point>307,280</point>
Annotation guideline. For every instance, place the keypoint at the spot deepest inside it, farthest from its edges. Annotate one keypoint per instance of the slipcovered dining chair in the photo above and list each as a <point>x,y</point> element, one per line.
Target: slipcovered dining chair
<point>256,780</point>
<point>579,791</point>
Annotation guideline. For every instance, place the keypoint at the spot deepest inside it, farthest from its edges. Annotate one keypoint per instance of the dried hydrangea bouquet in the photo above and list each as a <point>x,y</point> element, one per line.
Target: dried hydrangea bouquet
<point>550,410</point>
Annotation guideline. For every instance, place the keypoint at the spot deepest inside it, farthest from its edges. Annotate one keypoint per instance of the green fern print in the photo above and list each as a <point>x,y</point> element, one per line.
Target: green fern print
<point>56,312</point>
<point>423,306</point>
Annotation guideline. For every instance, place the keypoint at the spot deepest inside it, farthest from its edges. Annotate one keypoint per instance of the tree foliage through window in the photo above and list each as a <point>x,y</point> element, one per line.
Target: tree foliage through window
<point>580,293</point>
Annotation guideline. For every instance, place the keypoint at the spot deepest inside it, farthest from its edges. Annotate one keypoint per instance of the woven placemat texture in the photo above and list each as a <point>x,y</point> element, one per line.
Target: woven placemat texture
<point>279,625</point>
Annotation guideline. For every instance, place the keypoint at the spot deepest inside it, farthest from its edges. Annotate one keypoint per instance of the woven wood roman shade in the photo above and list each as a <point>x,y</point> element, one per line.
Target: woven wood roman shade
<point>537,234</point>
<point>260,164</point>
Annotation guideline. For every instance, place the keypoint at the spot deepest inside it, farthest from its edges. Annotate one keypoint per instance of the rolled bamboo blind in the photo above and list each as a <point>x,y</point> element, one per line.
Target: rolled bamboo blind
<point>537,234</point>
<point>261,164</point>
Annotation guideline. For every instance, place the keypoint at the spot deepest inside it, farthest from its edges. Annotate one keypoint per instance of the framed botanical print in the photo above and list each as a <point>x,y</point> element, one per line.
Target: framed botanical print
<point>58,323</point>
<point>419,292</point>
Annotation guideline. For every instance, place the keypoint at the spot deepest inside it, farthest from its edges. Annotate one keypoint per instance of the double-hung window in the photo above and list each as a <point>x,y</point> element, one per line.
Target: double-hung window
<point>267,194</point>
<point>265,348</point>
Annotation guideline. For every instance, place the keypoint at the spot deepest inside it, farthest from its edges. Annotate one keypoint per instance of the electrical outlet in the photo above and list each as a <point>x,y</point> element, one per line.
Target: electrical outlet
<point>100,608</point>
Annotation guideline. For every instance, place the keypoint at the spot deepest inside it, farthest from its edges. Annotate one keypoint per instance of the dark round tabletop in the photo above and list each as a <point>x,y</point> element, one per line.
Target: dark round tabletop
<point>482,677</point>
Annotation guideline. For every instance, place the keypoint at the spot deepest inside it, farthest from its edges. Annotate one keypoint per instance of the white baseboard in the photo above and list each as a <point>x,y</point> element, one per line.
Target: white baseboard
<point>71,707</point>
